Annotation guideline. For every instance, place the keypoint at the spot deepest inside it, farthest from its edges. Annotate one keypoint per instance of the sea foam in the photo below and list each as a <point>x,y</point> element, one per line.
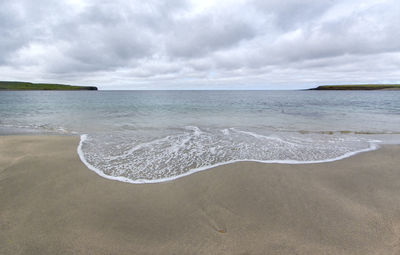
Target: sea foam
<point>134,159</point>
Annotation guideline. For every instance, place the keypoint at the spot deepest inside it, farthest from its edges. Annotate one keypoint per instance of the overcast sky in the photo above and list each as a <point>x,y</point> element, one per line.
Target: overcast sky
<point>178,44</point>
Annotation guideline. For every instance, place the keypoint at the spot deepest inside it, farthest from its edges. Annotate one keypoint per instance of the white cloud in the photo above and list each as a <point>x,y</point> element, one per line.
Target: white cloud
<point>200,44</point>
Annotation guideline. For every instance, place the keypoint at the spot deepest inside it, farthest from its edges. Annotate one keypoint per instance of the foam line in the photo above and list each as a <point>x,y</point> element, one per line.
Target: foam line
<point>372,147</point>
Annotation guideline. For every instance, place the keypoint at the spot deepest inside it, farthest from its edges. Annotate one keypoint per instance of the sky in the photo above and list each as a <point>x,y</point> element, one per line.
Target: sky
<point>200,44</point>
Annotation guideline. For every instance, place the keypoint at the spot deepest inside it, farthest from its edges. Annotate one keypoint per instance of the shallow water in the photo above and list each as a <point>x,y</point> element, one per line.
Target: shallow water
<point>151,136</point>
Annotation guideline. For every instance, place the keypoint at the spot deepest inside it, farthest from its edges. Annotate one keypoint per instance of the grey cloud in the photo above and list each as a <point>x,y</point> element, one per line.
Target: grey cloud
<point>12,38</point>
<point>293,13</point>
<point>99,48</point>
<point>110,34</point>
<point>146,14</point>
<point>359,34</point>
<point>22,23</point>
<point>208,33</point>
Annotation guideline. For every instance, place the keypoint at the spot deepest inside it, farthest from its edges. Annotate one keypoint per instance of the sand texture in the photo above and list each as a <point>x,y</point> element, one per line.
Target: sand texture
<point>50,203</point>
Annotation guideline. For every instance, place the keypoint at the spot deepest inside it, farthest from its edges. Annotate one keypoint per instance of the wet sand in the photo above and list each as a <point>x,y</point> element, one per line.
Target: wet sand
<point>50,203</point>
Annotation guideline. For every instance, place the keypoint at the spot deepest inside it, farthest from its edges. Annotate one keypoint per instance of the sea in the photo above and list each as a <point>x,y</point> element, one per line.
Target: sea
<point>157,136</point>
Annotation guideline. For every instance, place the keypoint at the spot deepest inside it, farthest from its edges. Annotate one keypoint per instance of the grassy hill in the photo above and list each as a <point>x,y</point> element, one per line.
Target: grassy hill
<point>360,87</point>
<point>16,85</point>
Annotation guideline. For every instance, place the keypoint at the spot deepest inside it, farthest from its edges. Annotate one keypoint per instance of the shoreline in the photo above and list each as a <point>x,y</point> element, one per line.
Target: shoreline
<point>373,146</point>
<point>52,204</point>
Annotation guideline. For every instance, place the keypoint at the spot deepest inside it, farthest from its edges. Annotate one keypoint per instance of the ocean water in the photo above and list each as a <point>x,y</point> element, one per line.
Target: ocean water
<point>154,136</point>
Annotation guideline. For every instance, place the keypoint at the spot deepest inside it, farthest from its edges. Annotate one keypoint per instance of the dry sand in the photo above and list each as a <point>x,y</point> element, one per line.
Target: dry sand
<point>50,203</point>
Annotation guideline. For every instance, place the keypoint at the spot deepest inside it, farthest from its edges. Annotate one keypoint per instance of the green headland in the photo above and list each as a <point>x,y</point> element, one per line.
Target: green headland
<point>359,87</point>
<point>16,85</point>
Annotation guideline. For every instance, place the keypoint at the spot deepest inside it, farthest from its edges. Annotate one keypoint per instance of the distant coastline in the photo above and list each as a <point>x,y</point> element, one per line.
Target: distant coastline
<point>16,85</point>
<point>359,87</point>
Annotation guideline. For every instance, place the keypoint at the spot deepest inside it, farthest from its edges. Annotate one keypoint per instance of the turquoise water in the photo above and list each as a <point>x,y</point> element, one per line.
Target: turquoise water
<point>151,136</point>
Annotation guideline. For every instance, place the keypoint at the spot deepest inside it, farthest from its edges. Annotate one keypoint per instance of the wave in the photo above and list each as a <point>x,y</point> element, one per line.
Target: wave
<point>192,150</point>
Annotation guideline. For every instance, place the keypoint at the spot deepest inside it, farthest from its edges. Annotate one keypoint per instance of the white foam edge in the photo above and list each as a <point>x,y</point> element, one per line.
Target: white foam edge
<point>373,146</point>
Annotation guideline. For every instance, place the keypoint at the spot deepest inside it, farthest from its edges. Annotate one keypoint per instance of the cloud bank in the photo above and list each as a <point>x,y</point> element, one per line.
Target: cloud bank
<point>178,44</point>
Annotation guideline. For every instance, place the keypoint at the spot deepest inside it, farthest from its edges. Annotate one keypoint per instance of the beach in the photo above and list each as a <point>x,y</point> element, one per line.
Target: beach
<point>199,127</point>
<point>52,204</point>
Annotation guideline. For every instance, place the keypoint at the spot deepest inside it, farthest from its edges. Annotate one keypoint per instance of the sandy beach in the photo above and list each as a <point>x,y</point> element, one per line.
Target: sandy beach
<point>50,203</point>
